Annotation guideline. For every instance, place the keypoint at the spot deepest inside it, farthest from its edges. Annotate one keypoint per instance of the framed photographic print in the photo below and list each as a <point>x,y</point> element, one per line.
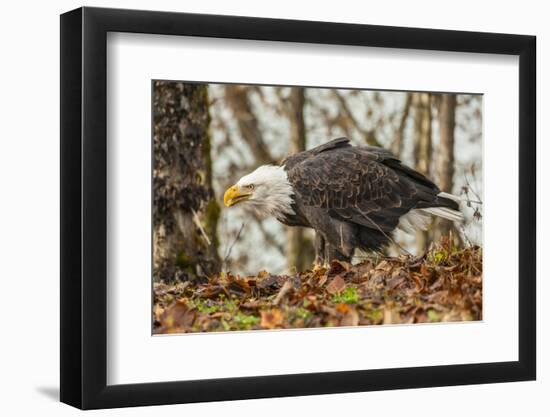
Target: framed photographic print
<point>257,208</point>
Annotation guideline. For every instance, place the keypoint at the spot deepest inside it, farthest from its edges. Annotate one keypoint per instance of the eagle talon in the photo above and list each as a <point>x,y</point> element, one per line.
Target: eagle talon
<point>316,267</point>
<point>319,266</point>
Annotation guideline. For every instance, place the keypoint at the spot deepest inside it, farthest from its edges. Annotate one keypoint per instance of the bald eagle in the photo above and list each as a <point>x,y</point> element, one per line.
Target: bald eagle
<point>352,196</point>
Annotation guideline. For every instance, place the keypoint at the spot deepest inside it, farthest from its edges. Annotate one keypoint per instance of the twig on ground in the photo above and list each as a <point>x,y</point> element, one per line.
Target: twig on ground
<point>197,222</point>
<point>287,286</point>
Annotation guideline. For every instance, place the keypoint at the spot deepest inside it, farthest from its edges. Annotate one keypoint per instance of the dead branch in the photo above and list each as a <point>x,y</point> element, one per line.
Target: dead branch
<point>369,135</point>
<point>239,102</point>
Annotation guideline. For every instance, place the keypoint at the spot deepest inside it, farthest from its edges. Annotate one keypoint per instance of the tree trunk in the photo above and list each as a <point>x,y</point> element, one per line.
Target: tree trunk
<point>423,133</point>
<point>185,213</point>
<point>446,158</point>
<point>299,248</point>
<point>422,149</point>
<point>397,143</point>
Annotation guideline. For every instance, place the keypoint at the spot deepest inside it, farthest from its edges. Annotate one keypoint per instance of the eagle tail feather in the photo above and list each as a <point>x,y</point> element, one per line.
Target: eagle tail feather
<point>446,213</point>
<point>450,197</point>
<point>414,220</point>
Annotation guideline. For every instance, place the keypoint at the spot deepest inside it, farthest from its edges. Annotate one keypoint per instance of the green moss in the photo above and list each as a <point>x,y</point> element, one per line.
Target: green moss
<point>225,325</point>
<point>245,321</point>
<point>211,213</point>
<point>185,262</point>
<point>442,254</point>
<point>376,315</point>
<point>211,217</point>
<point>433,315</point>
<point>439,256</point>
<point>302,313</point>
<point>228,305</point>
<point>205,306</point>
<point>348,296</point>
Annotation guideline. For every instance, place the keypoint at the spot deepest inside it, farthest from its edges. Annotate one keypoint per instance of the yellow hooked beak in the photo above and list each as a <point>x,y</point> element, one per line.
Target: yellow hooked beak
<point>235,195</point>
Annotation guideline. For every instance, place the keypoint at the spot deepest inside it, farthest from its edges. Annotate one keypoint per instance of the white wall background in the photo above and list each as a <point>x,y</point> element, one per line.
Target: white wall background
<point>29,212</point>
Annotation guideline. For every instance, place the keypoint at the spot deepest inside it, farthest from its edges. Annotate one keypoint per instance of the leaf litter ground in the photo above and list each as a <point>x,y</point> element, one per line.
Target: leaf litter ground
<point>444,285</point>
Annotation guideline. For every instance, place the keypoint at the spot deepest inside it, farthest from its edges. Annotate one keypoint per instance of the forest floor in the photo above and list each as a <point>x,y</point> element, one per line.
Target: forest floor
<point>443,285</point>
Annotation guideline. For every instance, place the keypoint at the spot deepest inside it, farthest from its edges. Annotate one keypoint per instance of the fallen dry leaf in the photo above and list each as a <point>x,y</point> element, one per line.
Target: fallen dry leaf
<point>391,316</point>
<point>336,285</point>
<point>351,318</point>
<point>337,267</point>
<point>271,318</point>
<point>178,317</point>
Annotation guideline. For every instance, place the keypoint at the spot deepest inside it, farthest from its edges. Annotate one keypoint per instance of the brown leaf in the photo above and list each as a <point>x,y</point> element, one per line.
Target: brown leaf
<point>287,286</point>
<point>237,285</point>
<point>384,266</point>
<point>399,276</point>
<point>157,312</point>
<point>210,291</point>
<point>376,281</point>
<point>438,297</point>
<point>351,318</point>
<point>177,317</point>
<point>363,268</point>
<point>438,283</point>
<point>337,267</point>
<point>336,285</point>
<point>426,272</point>
<point>263,274</point>
<point>318,271</point>
<point>391,315</point>
<point>271,318</point>
<point>272,282</point>
<point>322,280</point>
<point>252,304</point>
<point>328,310</point>
<point>342,308</point>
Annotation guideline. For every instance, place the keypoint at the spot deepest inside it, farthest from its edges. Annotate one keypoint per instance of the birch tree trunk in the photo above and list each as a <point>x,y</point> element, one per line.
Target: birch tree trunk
<point>299,248</point>
<point>185,213</point>
<point>397,143</point>
<point>422,150</point>
<point>445,157</point>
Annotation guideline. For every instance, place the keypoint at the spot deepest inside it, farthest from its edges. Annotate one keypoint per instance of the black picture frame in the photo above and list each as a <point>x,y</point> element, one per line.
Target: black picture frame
<point>84,207</point>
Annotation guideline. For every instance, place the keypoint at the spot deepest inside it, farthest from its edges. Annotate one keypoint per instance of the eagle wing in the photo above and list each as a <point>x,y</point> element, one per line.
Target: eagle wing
<point>367,186</point>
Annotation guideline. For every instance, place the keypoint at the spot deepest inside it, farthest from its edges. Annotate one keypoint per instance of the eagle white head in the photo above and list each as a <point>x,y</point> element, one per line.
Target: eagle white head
<point>266,190</point>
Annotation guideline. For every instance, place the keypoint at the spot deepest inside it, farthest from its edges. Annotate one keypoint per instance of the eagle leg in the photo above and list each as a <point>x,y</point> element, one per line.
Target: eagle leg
<point>320,251</point>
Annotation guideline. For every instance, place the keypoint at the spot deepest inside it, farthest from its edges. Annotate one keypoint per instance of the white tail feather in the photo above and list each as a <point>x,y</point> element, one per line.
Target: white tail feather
<point>446,213</point>
<point>450,197</point>
<point>419,219</point>
<point>414,220</point>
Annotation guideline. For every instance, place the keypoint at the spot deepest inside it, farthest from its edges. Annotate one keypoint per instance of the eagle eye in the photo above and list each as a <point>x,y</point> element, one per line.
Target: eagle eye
<point>250,186</point>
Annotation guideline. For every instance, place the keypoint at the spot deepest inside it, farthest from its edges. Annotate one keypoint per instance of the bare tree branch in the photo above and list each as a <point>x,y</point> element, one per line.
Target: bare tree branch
<point>233,244</point>
<point>370,137</point>
<point>237,98</point>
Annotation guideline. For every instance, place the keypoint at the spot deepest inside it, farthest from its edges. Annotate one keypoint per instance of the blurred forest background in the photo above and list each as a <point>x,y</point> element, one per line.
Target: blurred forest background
<point>206,136</point>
